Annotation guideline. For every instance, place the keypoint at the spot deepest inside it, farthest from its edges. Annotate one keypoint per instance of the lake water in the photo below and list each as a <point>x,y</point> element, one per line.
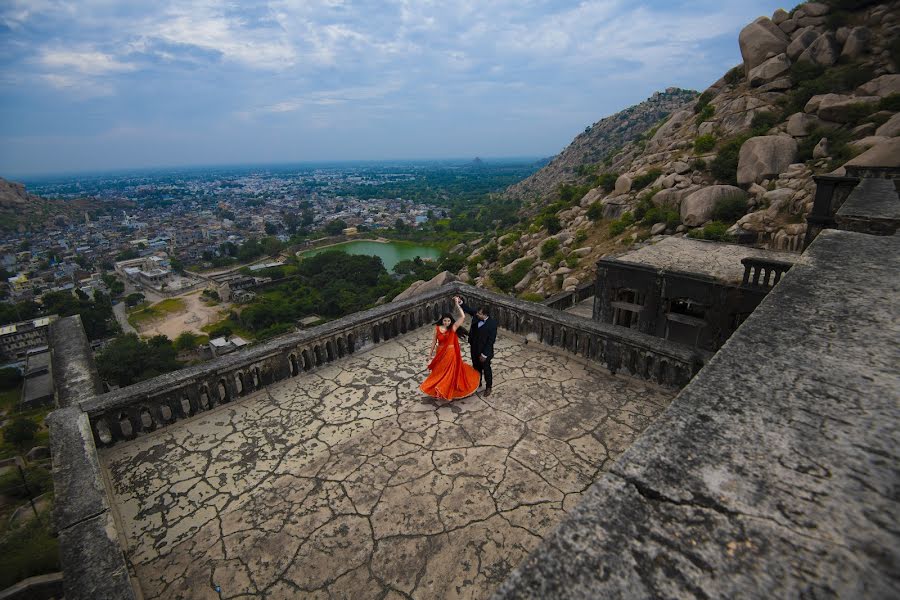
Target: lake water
<point>390,253</point>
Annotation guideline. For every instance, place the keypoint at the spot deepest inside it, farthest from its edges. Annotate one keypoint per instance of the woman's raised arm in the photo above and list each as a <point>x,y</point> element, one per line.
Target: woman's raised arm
<point>460,317</point>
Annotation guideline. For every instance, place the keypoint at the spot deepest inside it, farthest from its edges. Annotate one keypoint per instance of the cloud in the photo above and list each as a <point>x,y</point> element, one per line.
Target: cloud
<point>86,62</point>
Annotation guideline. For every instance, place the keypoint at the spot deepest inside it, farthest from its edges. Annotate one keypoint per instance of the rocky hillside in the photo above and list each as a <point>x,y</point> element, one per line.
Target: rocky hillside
<point>818,88</point>
<point>21,211</point>
<point>600,142</point>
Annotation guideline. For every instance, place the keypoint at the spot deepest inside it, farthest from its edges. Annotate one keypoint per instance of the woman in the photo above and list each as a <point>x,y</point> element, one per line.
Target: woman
<point>450,377</point>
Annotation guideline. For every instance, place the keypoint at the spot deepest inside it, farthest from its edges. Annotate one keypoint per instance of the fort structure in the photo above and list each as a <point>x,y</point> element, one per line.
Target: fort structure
<point>609,461</point>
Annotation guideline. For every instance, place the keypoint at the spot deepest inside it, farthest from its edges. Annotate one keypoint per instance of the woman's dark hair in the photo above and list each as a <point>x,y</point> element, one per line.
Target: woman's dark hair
<point>460,331</point>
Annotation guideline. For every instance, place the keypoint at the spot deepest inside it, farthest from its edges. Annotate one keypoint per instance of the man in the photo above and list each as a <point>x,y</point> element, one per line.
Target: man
<point>482,336</point>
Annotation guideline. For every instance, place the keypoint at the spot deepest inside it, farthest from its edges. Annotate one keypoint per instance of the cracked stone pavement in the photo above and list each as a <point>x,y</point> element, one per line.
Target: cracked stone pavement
<point>348,482</point>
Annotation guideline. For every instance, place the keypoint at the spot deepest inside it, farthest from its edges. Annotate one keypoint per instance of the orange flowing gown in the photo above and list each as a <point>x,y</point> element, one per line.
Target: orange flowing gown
<point>450,377</point>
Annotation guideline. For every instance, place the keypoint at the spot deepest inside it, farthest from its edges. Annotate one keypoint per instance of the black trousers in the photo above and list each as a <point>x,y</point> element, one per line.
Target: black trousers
<point>483,368</point>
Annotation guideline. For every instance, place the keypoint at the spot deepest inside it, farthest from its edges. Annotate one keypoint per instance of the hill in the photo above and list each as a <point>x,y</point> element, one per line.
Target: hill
<point>818,89</point>
<point>21,211</point>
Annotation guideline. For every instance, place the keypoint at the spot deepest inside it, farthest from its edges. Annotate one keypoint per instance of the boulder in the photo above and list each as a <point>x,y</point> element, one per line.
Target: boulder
<point>800,124</point>
<point>823,51</point>
<point>671,198</point>
<point>570,282</point>
<point>769,70</point>
<point>821,149</point>
<point>680,167</point>
<point>562,271</point>
<point>582,252</point>
<point>591,197</point>
<point>623,185</point>
<point>814,9</point>
<point>842,34</point>
<point>867,142</point>
<point>885,154</point>
<point>667,181</point>
<point>811,21</point>
<point>788,26</point>
<point>525,281</point>
<point>842,109</point>
<point>780,16</point>
<point>782,83</point>
<point>778,198</point>
<point>880,86</point>
<point>857,43</point>
<point>761,40</point>
<point>765,156</point>
<point>513,264</point>
<point>698,207</point>
<point>802,38</point>
<point>658,228</point>
<point>891,128</point>
<point>421,287</point>
<point>664,133</point>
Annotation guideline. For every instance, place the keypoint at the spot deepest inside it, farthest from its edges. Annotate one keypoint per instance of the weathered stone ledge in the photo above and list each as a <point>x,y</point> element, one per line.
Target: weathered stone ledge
<point>773,473</point>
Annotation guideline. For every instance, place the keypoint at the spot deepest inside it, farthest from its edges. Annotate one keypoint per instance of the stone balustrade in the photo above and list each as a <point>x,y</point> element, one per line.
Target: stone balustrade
<point>564,300</point>
<point>761,273</point>
<point>144,407</point>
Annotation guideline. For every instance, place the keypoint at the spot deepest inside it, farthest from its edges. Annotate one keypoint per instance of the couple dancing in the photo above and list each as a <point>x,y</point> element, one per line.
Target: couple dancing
<point>450,377</point>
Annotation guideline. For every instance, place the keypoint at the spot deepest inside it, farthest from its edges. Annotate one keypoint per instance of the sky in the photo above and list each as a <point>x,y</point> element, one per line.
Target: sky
<point>92,85</point>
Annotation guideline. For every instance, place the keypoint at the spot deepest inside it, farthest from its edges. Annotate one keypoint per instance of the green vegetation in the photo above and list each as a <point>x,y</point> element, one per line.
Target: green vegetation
<point>128,359</point>
<point>551,223</point>
<point>157,311</point>
<point>838,144</point>
<point>715,231</point>
<point>706,113</point>
<point>730,208</point>
<point>134,299</point>
<point>607,181</point>
<point>20,432</point>
<point>21,311</point>
<point>642,181</point>
<point>188,340</point>
<point>595,211</point>
<point>734,75</point>
<point>890,102</point>
<point>507,281</point>
<point>549,248</point>
<point>531,297</point>
<point>724,166</point>
<point>580,236</point>
<point>618,226</point>
<point>698,164</point>
<point>703,101</point>
<point>811,79</point>
<point>28,550</point>
<point>705,143</point>
<point>762,122</point>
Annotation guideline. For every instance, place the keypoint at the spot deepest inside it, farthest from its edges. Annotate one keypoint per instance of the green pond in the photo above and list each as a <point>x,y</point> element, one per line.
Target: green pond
<point>390,252</point>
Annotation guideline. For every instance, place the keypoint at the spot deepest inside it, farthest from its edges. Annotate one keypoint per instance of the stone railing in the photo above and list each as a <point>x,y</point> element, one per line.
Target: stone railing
<point>564,300</point>
<point>616,348</point>
<point>144,407</point>
<point>761,273</point>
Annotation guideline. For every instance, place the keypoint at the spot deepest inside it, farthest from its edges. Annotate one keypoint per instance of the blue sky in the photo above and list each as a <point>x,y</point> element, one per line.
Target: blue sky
<point>107,84</point>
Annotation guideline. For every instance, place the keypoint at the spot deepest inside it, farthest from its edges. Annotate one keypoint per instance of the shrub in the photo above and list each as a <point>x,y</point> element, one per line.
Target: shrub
<point>551,224</point>
<point>531,297</point>
<point>724,166</point>
<point>9,378</point>
<point>857,112</point>
<point>644,204</point>
<point>706,113</point>
<point>28,550</point>
<point>490,253</point>
<point>20,432</point>
<point>186,340</point>
<point>715,231</point>
<point>703,101</point>
<point>607,181</point>
<point>838,140</point>
<point>730,208</point>
<point>698,164</point>
<point>507,256</point>
<point>220,331</point>
<point>595,211</point>
<point>618,226</point>
<point>735,75</point>
<point>642,181</point>
<point>662,215</point>
<point>705,143</point>
<point>507,281</point>
<point>763,122</point>
<point>890,102</point>
<point>510,238</point>
<point>549,248</point>
<point>572,261</point>
<point>580,236</point>
<point>810,80</point>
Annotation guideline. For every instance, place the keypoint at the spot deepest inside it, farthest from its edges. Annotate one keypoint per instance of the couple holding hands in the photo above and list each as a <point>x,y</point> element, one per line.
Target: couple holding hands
<point>450,377</point>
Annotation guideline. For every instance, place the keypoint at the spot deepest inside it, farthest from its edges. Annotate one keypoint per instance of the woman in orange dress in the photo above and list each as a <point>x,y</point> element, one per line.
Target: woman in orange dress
<point>450,377</point>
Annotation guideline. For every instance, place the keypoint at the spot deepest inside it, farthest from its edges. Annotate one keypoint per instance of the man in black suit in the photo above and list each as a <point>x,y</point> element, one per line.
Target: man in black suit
<point>482,336</point>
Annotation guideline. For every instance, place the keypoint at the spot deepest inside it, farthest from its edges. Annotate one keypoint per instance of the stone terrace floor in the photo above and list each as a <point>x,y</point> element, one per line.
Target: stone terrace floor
<point>349,482</point>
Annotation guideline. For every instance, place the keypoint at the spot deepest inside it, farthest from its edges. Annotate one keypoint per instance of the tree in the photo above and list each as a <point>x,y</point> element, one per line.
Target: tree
<point>400,225</point>
<point>271,228</point>
<point>186,341</point>
<point>336,227</point>
<point>20,432</point>
<point>9,378</point>
<point>134,299</point>
<point>128,359</point>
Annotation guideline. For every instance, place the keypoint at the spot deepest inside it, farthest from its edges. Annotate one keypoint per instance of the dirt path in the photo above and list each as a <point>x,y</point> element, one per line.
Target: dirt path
<point>195,315</point>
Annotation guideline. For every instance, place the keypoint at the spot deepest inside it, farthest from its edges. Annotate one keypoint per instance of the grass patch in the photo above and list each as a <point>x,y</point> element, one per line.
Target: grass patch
<point>705,143</point>
<point>619,226</point>
<point>715,231</point>
<point>531,297</point>
<point>143,315</point>
<point>10,398</point>
<point>27,551</point>
<point>730,209</point>
<point>232,326</point>
<point>41,436</point>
